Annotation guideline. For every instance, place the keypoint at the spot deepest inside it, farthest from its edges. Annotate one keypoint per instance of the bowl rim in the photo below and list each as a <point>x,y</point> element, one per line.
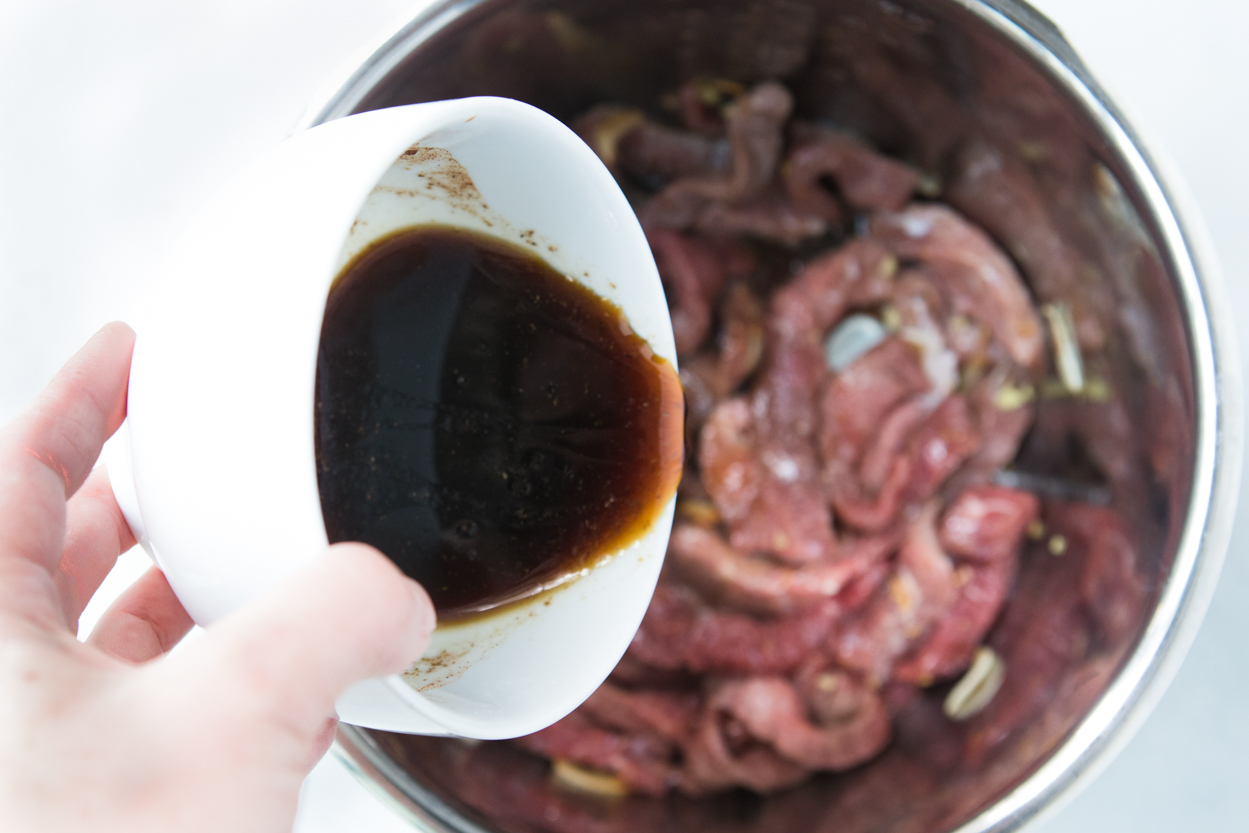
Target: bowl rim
<point>1187,252</point>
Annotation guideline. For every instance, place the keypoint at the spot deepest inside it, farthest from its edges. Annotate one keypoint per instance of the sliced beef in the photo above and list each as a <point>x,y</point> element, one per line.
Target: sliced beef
<point>842,548</point>
<point>771,711</point>
<point>643,761</point>
<point>920,592</point>
<point>865,179</point>
<point>974,275</point>
<point>884,443</point>
<point>682,631</point>
<point>758,584</point>
<point>693,274</point>
<point>755,124</point>
<point>987,523</point>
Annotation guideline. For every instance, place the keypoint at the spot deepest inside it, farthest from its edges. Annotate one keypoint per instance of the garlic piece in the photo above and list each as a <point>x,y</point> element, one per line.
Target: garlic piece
<point>1066,349</point>
<point>854,336</point>
<point>977,687</point>
<point>574,777</point>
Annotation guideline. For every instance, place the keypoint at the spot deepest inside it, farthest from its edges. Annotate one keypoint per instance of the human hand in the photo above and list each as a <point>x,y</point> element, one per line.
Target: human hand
<point>113,735</point>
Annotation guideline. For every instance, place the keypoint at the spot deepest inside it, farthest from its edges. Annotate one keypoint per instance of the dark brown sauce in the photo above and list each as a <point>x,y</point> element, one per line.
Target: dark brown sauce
<point>484,421</point>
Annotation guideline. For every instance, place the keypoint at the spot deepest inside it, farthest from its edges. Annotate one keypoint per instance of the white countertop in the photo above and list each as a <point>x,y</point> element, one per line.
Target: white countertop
<point>116,119</point>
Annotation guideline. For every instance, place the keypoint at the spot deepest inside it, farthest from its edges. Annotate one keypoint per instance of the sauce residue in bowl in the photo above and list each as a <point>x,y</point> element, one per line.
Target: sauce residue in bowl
<point>489,424</point>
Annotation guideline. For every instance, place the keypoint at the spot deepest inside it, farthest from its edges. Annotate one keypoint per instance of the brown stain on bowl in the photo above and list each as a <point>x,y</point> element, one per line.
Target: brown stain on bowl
<point>443,178</point>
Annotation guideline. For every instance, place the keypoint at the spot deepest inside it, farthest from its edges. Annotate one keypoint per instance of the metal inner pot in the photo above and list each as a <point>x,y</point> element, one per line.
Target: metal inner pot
<point>944,85</point>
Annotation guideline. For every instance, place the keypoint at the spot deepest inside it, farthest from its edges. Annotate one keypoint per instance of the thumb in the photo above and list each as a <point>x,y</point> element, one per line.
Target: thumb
<point>348,616</point>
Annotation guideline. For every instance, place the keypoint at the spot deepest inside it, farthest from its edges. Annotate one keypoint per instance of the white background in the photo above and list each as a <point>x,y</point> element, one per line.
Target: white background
<point>117,119</point>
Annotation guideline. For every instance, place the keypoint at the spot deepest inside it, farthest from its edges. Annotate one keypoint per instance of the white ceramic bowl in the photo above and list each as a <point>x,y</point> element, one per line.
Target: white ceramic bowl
<point>215,470</point>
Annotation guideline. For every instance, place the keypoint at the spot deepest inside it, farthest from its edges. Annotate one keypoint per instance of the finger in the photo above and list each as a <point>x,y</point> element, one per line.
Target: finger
<point>145,622</point>
<point>322,742</point>
<point>47,452</point>
<point>349,616</point>
<point>96,533</point>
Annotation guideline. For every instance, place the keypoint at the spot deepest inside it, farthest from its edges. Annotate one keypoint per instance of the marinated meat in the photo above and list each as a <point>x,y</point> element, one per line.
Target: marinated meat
<point>682,631</point>
<point>982,530</point>
<point>765,481</point>
<point>1044,633</point>
<point>1002,416</point>
<point>769,216</point>
<point>976,277</point>
<point>886,443</point>
<point>918,594</point>
<point>771,711</point>
<point>864,179</point>
<point>724,754</point>
<point>1110,585</point>
<point>739,349</point>
<point>693,274</point>
<point>755,124</point>
<point>842,548</point>
<point>627,141</point>
<point>775,503</point>
<point>641,760</point>
<point>857,274</point>
<point>947,649</point>
<point>987,523</point>
<point>748,582</point>
<point>1000,195</point>
<point>730,466</point>
<point>872,405</point>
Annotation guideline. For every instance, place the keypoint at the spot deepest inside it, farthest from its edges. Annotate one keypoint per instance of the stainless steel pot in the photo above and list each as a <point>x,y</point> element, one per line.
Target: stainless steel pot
<point>926,79</point>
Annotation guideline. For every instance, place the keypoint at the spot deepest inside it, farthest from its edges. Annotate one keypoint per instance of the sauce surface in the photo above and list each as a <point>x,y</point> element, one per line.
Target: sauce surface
<point>487,423</point>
